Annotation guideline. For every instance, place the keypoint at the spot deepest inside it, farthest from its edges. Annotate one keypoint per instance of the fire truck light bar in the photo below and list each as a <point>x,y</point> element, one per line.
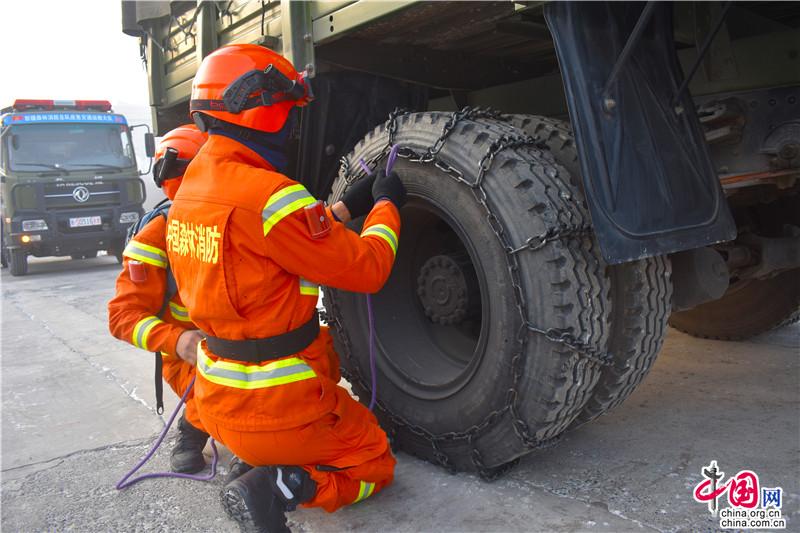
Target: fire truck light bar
<point>49,105</point>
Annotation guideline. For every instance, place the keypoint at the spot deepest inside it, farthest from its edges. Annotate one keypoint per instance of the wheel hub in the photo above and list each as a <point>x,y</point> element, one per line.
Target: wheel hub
<point>420,354</point>
<point>443,289</point>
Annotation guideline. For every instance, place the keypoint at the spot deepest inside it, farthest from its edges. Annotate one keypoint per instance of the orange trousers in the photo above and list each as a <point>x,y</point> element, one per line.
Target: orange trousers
<point>346,452</point>
<point>178,374</point>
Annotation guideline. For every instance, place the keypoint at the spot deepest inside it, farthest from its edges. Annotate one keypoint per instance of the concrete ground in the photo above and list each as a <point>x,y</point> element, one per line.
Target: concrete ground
<point>77,413</point>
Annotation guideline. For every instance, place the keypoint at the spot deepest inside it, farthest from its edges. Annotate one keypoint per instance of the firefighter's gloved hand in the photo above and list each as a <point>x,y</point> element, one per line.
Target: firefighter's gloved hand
<point>390,188</point>
<point>187,345</point>
<point>358,198</point>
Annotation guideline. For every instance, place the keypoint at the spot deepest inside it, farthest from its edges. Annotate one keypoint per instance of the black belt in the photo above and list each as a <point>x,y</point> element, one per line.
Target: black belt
<point>257,350</point>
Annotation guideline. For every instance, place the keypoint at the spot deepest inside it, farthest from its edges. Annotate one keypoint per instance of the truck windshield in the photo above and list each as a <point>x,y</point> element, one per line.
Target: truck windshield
<point>39,147</point>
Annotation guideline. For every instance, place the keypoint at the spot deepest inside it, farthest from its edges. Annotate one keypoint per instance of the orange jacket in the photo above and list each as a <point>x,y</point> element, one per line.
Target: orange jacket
<point>247,267</point>
<point>133,312</point>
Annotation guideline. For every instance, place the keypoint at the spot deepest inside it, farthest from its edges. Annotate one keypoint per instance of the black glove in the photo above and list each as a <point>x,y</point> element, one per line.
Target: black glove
<point>389,187</point>
<point>358,198</point>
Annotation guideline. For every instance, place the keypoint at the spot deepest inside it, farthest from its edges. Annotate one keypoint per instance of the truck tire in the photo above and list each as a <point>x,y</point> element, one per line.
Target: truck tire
<point>749,307</point>
<point>463,380</point>
<point>641,291</point>
<point>17,262</point>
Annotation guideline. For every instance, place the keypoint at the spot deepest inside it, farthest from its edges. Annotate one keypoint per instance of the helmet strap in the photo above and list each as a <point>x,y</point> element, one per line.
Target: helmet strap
<point>201,121</point>
<point>270,85</point>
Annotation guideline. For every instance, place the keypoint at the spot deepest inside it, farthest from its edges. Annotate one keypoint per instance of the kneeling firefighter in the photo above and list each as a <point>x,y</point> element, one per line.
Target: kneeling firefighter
<point>248,247</point>
<point>147,311</point>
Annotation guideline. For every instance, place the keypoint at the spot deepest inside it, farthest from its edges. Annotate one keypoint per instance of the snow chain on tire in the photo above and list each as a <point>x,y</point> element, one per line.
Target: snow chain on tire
<point>593,354</point>
<point>641,291</point>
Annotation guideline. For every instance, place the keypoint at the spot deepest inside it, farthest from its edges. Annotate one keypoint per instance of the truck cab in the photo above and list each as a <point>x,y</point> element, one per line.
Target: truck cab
<point>70,181</point>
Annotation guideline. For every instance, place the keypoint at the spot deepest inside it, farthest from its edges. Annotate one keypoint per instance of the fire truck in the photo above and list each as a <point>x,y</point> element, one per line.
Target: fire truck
<point>70,182</point>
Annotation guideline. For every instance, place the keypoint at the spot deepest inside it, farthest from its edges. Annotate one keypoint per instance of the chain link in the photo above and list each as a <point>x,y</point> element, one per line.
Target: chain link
<point>346,167</point>
<point>537,242</point>
<point>565,337</point>
<point>391,124</point>
<point>505,142</point>
<point>534,243</point>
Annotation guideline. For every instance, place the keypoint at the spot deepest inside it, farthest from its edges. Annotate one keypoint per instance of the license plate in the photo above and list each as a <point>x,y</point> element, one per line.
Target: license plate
<point>80,222</point>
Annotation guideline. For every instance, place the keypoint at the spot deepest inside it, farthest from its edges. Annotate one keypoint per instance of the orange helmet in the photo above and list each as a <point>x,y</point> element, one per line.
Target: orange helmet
<point>175,151</point>
<point>247,85</point>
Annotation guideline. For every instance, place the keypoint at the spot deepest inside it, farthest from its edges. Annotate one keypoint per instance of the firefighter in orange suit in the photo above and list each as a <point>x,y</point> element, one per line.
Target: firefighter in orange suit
<point>248,247</point>
<point>148,314</point>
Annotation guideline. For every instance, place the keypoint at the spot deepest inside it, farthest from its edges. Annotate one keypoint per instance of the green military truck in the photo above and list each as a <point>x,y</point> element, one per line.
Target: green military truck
<point>579,175</point>
<point>70,181</point>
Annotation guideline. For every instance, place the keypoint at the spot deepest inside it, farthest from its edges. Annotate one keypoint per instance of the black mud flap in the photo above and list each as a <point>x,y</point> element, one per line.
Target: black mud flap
<point>646,169</point>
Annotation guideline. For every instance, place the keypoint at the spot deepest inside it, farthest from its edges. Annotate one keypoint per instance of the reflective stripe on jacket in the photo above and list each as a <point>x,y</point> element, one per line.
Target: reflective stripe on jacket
<point>132,313</point>
<point>145,253</point>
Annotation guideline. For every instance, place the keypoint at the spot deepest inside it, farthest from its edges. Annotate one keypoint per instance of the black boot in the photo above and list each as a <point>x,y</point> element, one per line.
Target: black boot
<point>236,468</point>
<point>187,455</point>
<point>259,499</point>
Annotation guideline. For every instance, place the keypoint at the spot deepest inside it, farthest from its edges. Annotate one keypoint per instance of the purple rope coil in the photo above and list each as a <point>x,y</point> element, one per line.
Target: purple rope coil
<point>126,482</point>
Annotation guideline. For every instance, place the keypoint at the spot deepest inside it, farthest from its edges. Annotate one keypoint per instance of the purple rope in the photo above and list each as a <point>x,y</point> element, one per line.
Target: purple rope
<point>372,401</point>
<point>372,354</point>
<point>390,161</point>
<point>125,482</point>
<point>364,167</point>
<point>389,164</point>
<point>392,158</point>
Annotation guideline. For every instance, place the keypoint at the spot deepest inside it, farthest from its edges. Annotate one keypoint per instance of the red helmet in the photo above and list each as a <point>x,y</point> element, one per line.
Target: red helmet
<point>175,151</point>
<point>248,85</point>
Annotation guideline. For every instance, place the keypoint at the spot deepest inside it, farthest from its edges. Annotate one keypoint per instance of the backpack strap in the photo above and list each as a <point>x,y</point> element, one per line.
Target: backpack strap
<point>161,209</point>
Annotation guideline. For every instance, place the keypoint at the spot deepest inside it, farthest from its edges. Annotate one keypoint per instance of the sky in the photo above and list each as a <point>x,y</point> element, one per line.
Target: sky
<point>68,50</point>
<point>75,50</point>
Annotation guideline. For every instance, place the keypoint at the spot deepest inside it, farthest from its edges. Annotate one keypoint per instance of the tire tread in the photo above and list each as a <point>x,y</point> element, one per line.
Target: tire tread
<point>641,291</point>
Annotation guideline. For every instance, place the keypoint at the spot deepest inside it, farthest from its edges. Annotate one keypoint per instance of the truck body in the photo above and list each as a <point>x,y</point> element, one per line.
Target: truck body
<point>70,181</point>
<point>640,165</point>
